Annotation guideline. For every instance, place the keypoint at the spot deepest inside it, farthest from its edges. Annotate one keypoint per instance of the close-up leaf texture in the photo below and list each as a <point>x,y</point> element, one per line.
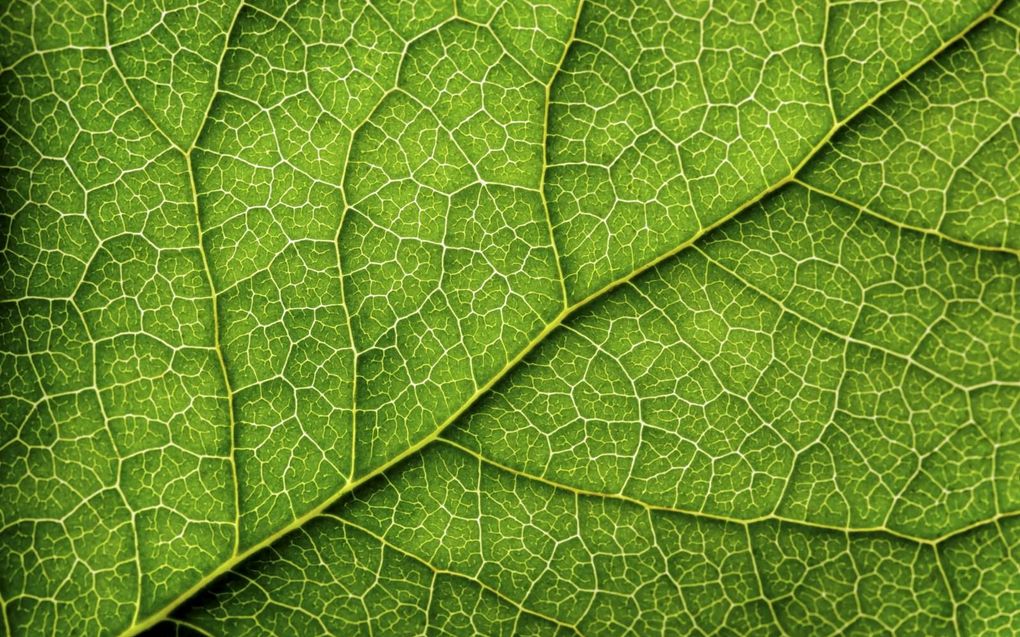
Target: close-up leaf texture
<point>510,317</point>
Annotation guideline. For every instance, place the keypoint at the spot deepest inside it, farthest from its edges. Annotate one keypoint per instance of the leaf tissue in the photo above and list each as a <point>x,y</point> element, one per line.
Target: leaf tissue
<point>510,317</point>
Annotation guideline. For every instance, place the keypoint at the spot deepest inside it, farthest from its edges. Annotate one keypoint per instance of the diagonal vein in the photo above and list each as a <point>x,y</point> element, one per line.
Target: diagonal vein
<point>770,517</point>
<point>558,320</point>
<point>901,224</point>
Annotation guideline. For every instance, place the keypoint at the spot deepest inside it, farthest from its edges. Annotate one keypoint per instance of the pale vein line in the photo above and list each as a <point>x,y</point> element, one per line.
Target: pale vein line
<point>442,571</point>
<point>695,513</point>
<point>932,232</point>
<point>423,442</point>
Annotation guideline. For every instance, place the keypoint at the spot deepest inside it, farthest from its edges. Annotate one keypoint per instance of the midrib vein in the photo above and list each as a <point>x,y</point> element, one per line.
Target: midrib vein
<point>568,311</point>
<point>522,606</point>
<point>933,232</point>
<point>768,517</point>
<point>387,544</point>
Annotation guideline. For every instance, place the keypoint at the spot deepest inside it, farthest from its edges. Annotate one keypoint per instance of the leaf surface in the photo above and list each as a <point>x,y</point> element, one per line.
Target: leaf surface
<point>489,317</point>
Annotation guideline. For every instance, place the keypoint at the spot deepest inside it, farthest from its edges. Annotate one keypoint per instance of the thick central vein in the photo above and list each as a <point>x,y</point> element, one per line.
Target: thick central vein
<point>567,311</point>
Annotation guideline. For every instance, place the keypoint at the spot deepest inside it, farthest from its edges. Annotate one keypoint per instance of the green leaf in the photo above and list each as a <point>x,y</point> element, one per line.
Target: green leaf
<point>493,317</point>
